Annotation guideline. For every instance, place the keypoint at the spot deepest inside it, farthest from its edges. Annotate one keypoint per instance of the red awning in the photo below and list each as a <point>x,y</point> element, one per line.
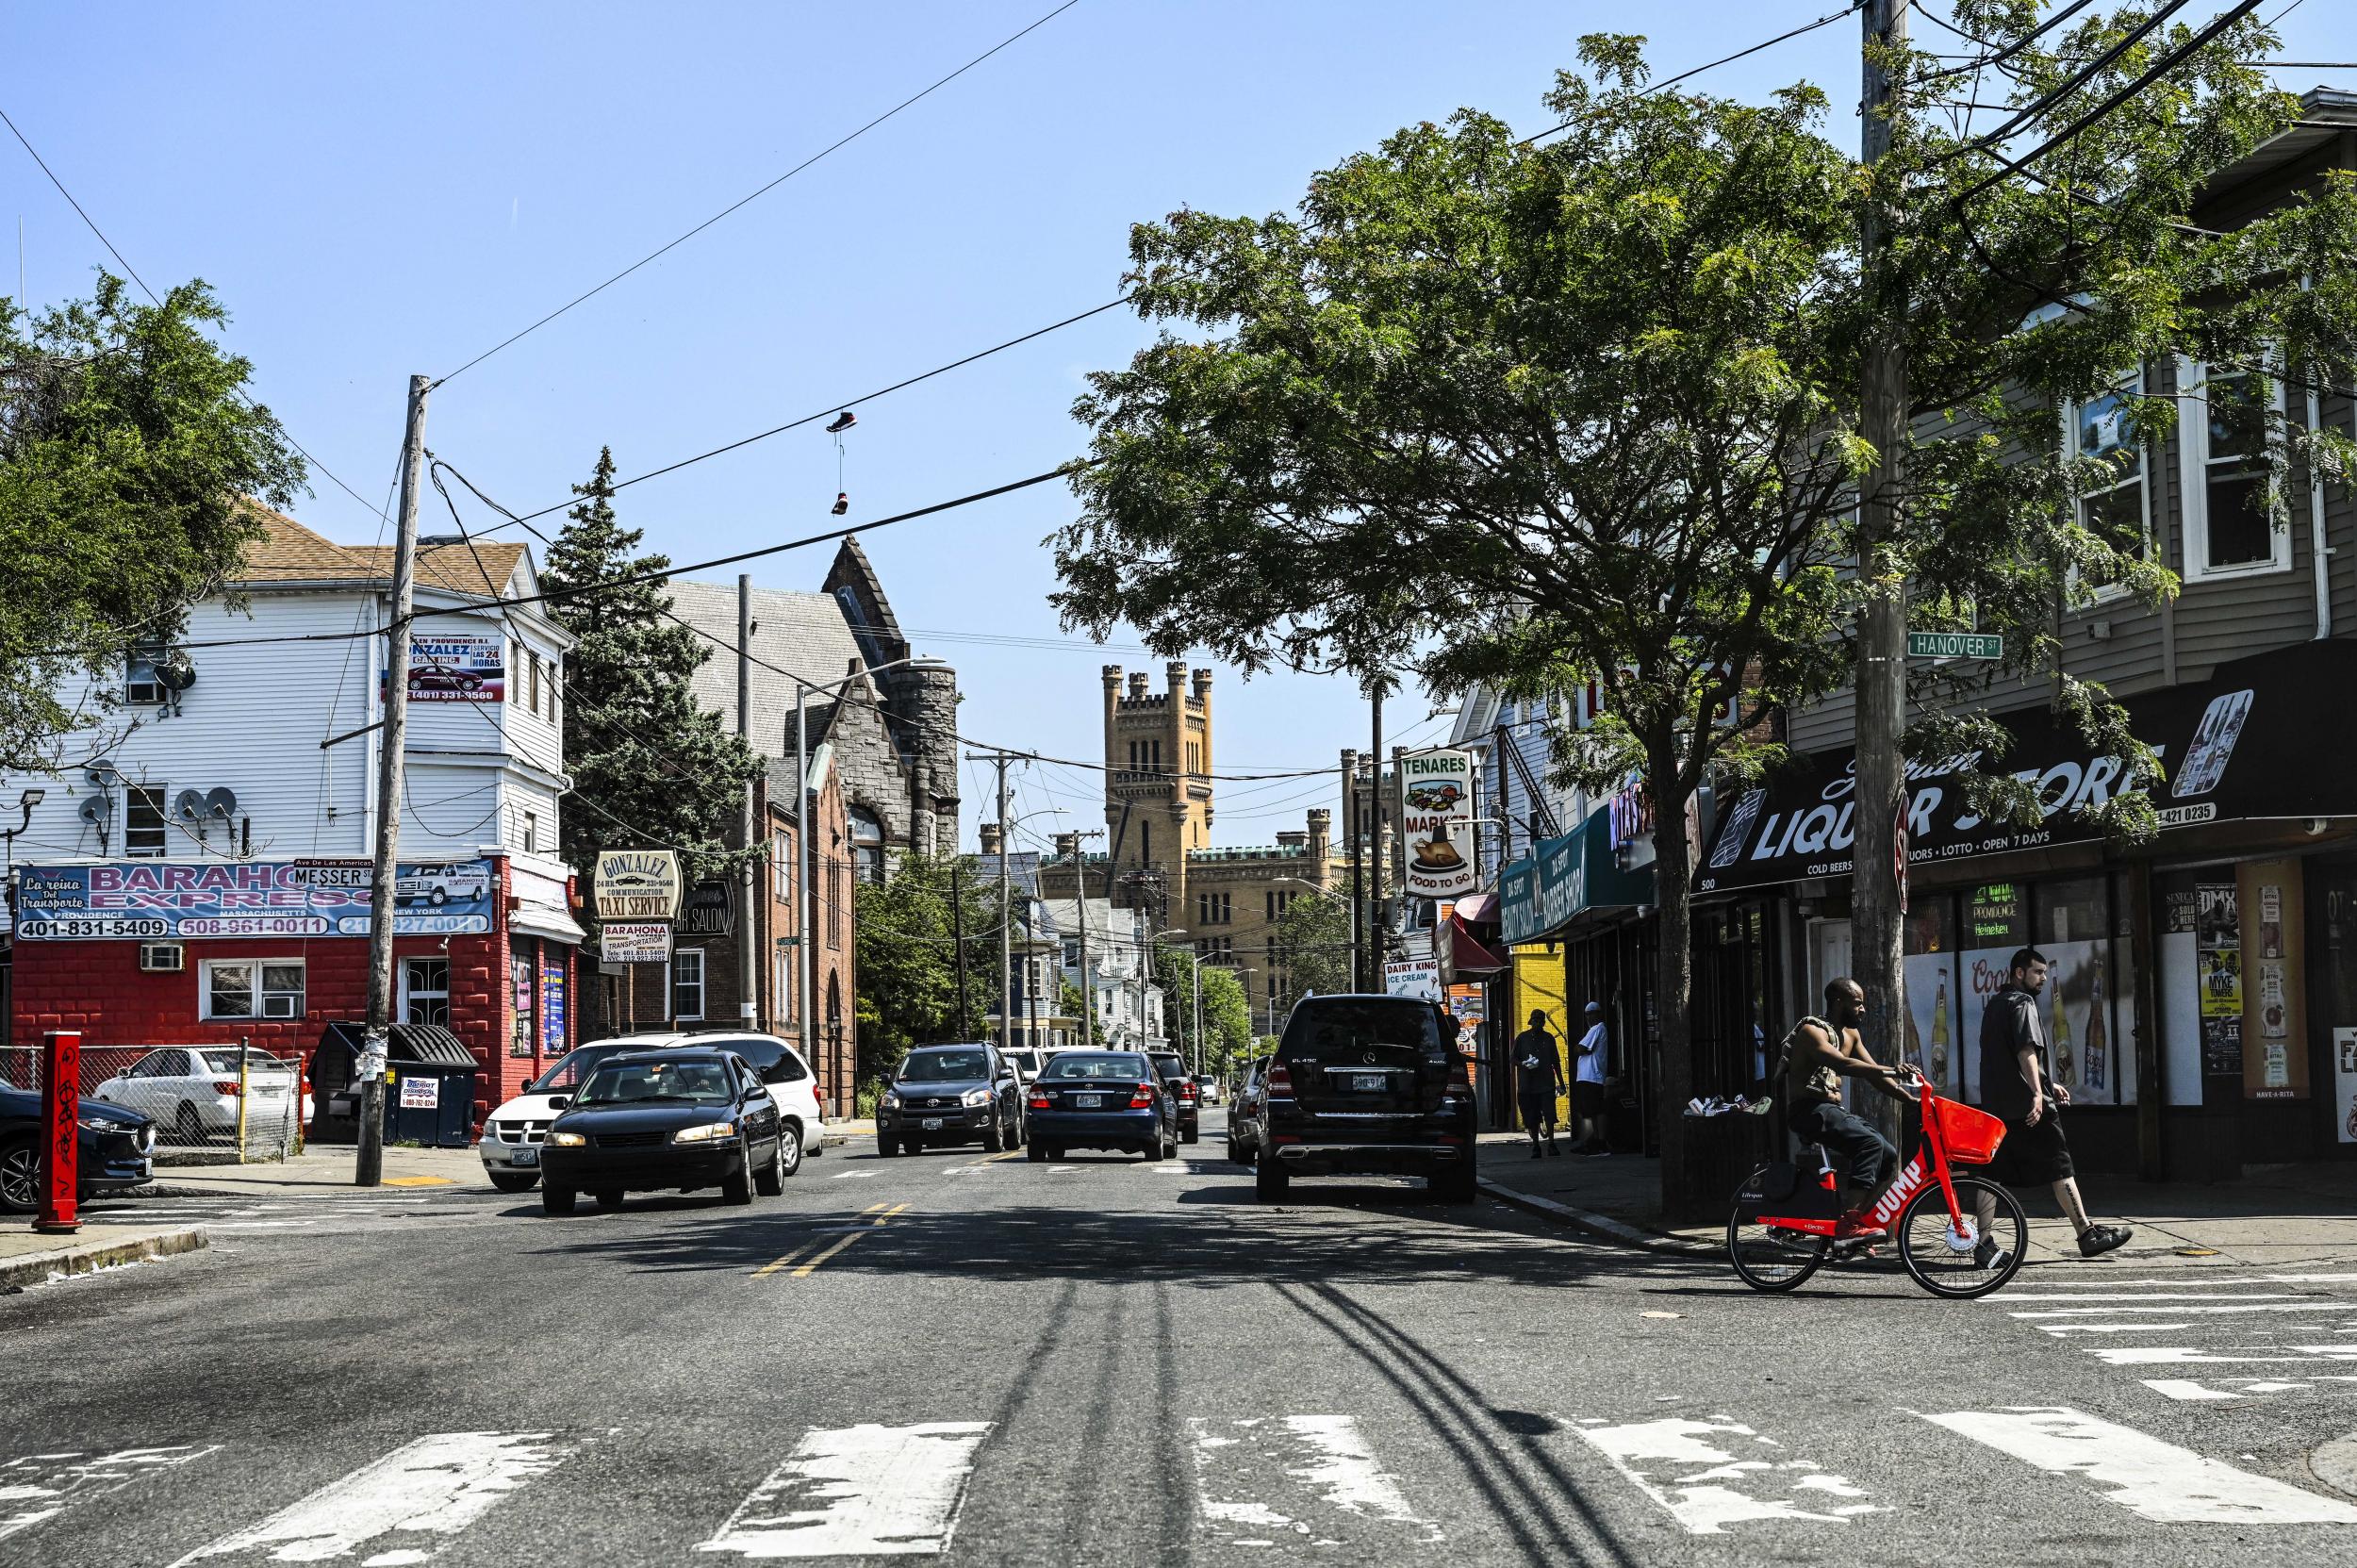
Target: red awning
<point>1478,909</point>
<point>1469,954</point>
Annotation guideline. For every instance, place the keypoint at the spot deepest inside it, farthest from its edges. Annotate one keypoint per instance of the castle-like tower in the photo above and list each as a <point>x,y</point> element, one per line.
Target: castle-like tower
<point>1158,786</point>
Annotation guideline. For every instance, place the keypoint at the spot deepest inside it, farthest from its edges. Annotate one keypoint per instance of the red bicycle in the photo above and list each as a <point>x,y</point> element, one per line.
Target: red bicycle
<point>1959,1236</point>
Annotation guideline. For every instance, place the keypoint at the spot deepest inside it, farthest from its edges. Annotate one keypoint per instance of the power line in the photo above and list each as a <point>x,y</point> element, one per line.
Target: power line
<point>823,152</point>
<point>1827,20</point>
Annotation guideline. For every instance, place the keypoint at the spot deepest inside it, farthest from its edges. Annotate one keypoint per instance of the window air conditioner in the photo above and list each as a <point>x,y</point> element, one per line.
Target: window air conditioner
<point>160,958</point>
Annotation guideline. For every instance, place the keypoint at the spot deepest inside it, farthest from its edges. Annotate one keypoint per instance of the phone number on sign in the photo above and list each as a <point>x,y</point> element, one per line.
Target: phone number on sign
<point>36,931</point>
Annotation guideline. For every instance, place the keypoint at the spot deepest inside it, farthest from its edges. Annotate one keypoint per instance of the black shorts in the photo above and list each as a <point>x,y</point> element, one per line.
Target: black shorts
<point>1538,1107</point>
<point>1587,1099</point>
<point>2033,1154</point>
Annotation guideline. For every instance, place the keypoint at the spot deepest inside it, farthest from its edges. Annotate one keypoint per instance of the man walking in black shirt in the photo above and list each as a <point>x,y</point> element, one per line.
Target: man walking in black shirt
<point>2017,1087</point>
<point>1538,1076</point>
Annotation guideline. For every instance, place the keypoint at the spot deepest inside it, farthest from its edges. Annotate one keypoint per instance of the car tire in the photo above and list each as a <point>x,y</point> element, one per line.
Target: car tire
<point>1455,1184</point>
<point>515,1182</point>
<point>1055,1151</point>
<point>1192,1135</point>
<point>188,1127</point>
<point>1039,1154</point>
<point>736,1188</point>
<point>1238,1154</point>
<point>1271,1182</point>
<point>791,1152</point>
<point>20,1177</point>
<point>438,898</point>
<point>556,1201</point>
<point>995,1138</point>
<point>912,1147</point>
<point>888,1147</point>
<point>609,1198</point>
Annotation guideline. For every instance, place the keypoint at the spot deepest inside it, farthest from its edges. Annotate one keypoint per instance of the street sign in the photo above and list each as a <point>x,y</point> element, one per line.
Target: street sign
<point>1955,645</point>
<point>315,873</point>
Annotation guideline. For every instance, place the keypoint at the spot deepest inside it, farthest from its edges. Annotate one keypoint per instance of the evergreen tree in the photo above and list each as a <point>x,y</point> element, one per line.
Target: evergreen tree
<point>904,945</point>
<point>651,768</point>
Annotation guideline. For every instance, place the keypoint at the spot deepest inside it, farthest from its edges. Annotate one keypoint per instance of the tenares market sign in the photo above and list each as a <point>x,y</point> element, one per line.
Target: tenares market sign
<point>1436,813</point>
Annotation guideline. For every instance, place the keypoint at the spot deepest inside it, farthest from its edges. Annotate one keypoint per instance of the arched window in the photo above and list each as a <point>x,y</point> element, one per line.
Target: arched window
<point>868,862</point>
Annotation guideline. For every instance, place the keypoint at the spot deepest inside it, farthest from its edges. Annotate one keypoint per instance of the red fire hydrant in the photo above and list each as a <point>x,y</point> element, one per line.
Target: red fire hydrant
<point>61,1143</point>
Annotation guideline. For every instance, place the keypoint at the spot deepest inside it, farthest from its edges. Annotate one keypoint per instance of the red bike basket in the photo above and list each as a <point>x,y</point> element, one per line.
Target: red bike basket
<point>1971,1135</point>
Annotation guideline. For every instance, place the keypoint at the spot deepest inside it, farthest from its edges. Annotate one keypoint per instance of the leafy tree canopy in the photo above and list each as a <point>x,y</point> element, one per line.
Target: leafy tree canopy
<point>904,949</point>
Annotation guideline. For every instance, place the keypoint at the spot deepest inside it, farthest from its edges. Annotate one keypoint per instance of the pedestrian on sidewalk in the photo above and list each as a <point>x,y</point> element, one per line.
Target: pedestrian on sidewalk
<point>1538,1078</point>
<point>1587,1083</point>
<point>2017,1087</point>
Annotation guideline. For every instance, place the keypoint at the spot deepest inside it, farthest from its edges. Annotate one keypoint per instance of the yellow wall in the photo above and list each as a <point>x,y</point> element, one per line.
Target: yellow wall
<point>1538,985</point>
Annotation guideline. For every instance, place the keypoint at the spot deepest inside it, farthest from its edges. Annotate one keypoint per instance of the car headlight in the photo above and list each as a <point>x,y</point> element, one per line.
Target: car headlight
<point>705,1133</point>
<point>103,1124</point>
<point>978,1097</point>
<point>891,1100</point>
<point>567,1140</point>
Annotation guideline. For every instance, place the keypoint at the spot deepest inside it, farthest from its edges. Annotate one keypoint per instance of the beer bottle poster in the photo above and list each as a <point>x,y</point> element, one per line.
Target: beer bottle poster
<point>2218,970</point>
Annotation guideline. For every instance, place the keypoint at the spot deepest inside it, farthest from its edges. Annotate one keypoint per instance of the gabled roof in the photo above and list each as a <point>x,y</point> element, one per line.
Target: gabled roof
<point>803,632</point>
<point>290,552</point>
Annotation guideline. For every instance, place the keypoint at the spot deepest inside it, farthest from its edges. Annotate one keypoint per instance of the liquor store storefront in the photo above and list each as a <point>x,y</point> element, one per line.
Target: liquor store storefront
<point>2202,1009</point>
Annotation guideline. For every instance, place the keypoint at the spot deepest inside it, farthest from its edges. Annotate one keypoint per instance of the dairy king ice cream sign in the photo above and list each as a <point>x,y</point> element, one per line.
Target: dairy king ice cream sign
<point>1436,818</point>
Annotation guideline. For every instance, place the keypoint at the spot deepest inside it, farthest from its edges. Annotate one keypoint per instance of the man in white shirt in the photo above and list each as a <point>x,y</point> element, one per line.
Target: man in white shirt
<point>1587,1083</point>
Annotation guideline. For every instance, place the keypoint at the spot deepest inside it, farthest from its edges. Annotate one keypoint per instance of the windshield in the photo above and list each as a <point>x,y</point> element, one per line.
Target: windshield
<point>943,1066</point>
<point>569,1073</point>
<point>1126,1067</point>
<point>626,1081</point>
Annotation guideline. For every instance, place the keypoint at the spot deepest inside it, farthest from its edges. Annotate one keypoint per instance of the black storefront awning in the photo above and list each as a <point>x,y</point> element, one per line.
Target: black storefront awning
<point>2250,743</point>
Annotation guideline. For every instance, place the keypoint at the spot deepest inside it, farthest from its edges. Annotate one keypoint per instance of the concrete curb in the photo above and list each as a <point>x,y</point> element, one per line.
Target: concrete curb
<point>1594,1223</point>
<point>34,1268</point>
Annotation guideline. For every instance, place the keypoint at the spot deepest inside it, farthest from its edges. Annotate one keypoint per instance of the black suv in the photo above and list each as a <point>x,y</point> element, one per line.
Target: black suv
<point>1173,1068</point>
<point>950,1094</point>
<point>1366,1084</point>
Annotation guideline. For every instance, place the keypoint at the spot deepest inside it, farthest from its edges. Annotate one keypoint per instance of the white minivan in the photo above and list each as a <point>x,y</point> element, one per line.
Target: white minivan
<point>513,1134</point>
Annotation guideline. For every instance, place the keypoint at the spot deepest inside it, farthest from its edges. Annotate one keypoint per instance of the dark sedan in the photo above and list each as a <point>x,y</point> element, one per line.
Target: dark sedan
<point>1174,1070</point>
<point>950,1094</point>
<point>1103,1100</point>
<point>657,1120</point>
<point>115,1150</point>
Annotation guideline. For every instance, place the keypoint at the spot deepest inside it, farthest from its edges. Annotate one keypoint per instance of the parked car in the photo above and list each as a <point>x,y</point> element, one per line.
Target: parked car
<point>1174,1070</point>
<point>115,1148</point>
<point>1103,1100</point>
<point>779,1065</point>
<point>1367,1085</point>
<point>943,1094</point>
<point>194,1091</point>
<point>1207,1088</point>
<point>514,1133</point>
<point>438,885</point>
<point>1244,1114</point>
<point>647,1121</point>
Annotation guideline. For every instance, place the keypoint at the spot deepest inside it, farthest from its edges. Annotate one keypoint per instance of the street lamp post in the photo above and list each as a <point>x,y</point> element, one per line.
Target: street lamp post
<point>26,802</point>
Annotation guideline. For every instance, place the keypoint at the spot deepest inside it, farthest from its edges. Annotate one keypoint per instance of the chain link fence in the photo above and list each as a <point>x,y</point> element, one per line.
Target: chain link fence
<point>210,1105</point>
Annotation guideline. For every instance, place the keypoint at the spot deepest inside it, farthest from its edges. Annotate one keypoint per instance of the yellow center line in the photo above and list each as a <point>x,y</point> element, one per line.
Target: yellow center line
<point>1011,1154</point>
<point>888,1213</point>
<point>873,1207</point>
<point>768,1269</point>
<point>803,1271</point>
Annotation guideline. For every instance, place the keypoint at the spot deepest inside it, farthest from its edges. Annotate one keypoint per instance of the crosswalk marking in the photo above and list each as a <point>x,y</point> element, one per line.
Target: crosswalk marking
<point>1325,1456</point>
<point>2156,1480</point>
<point>1708,1475</point>
<point>2155,1355</point>
<point>2303,1304</point>
<point>433,1486</point>
<point>859,1491</point>
<point>2193,1390</point>
<point>38,1487</point>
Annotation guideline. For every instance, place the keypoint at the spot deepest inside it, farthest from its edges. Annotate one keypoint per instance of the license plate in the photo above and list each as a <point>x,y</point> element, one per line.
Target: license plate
<point>1087,1102</point>
<point>1368,1083</point>
<point>931,1123</point>
<point>524,1157</point>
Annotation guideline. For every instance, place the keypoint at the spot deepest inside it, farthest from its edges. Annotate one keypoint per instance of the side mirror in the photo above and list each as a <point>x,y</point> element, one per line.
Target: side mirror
<point>559,1102</point>
<point>125,1073</point>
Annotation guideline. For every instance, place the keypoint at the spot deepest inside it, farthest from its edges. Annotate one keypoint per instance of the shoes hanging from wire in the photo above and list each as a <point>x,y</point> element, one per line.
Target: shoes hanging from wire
<point>836,427</point>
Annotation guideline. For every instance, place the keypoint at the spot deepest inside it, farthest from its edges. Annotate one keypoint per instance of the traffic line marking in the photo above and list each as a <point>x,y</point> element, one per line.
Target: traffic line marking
<point>769,1268</point>
<point>1708,1475</point>
<point>867,1491</point>
<point>435,1485</point>
<point>2151,1355</point>
<point>42,1486</point>
<point>2191,1389</point>
<point>418,1181</point>
<point>853,1174</point>
<point>1327,1455</point>
<point>2144,1475</point>
<point>2306,1304</point>
<point>804,1272</point>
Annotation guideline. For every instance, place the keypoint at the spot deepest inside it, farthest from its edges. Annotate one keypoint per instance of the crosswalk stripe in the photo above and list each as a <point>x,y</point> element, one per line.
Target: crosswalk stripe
<point>2011,1297</point>
<point>1708,1475</point>
<point>42,1486</point>
<point>865,1491</point>
<point>1327,1456</point>
<point>2154,1355</point>
<point>2307,1304</point>
<point>435,1485</point>
<point>2157,1480</point>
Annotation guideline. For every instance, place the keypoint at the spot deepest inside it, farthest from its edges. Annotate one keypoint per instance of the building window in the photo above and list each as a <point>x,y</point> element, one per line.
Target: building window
<point>145,831</point>
<point>782,868</point>
<point>254,988</point>
<point>868,862</point>
<point>142,686</point>
<point>687,984</point>
<point>532,833</point>
<point>2116,506</point>
<point>835,901</point>
<point>535,698</point>
<point>1215,909</point>
<point>425,991</point>
<point>1278,903</point>
<point>2228,446</point>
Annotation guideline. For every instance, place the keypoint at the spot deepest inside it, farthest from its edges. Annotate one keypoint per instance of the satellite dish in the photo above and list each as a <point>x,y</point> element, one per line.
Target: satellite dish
<point>221,802</point>
<point>96,809</point>
<point>188,805</point>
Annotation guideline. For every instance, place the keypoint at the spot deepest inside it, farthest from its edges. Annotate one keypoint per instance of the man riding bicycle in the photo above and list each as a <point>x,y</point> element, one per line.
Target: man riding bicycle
<point>1822,1053</point>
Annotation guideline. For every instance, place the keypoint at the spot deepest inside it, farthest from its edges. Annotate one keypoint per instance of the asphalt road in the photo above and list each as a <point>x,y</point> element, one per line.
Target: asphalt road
<point>1107,1363</point>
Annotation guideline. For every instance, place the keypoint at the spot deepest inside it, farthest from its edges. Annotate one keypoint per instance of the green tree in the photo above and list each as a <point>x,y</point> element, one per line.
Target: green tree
<point>904,949</point>
<point>652,767</point>
<point>1308,949</point>
<point>1588,410</point>
<point>128,451</point>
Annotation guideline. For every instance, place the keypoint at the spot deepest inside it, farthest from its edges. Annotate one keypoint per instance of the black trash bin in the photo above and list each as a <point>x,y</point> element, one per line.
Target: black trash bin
<point>429,1096</point>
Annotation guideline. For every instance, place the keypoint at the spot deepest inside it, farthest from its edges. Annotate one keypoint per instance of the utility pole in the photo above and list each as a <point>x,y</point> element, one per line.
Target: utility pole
<point>1874,914</point>
<point>805,904</point>
<point>747,940</point>
<point>957,935</point>
<point>1072,845</point>
<point>1350,846</point>
<point>1377,946</point>
<point>1006,910</point>
<point>368,1169</point>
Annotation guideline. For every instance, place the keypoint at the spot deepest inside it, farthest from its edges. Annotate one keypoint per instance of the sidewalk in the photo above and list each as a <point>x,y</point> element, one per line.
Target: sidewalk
<point>322,1170</point>
<point>28,1258</point>
<point>2275,1216</point>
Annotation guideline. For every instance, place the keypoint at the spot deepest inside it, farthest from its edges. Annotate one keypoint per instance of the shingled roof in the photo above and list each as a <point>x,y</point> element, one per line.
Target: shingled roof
<point>293,554</point>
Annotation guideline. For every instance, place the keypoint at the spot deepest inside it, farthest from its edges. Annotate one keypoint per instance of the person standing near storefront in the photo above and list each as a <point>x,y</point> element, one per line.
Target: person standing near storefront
<point>1587,1084</point>
<point>1538,1078</point>
<point>2017,1087</point>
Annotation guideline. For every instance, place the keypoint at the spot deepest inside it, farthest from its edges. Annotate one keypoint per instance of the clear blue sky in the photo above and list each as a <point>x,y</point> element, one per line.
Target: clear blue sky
<point>377,190</point>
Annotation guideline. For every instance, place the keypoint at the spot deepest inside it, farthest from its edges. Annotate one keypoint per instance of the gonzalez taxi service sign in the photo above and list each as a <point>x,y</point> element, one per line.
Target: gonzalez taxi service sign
<point>637,884</point>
